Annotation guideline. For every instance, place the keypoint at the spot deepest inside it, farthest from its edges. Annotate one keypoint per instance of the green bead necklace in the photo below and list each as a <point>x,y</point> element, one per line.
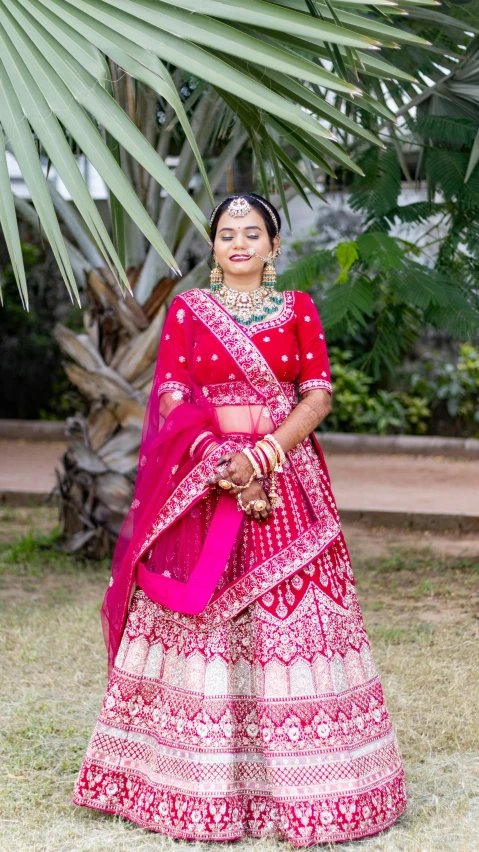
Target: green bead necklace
<point>248,308</point>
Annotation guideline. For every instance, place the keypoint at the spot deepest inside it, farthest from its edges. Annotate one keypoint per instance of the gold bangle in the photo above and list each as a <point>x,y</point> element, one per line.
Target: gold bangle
<point>269,452</point>
<point>281,453</point>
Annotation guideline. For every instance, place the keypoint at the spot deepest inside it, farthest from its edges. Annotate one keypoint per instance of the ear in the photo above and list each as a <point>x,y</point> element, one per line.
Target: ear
<point>276,242</point>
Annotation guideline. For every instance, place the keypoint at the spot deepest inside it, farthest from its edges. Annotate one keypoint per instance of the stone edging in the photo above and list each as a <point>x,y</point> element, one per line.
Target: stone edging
<point>341,442</point>
<point>331,442</point>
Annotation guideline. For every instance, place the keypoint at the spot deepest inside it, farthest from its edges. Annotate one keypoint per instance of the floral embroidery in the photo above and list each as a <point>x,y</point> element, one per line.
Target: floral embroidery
<point>324,374</point>
<point>281,330</point>
<point>214,357</point>
<point>231,376</point>
<point>110,584</point>
<point>266,339</point>
<point>167,336</point>
<point>181,358</point>
<point>177,395</point>
<point>309,355</point>
<point>241,393</point>
<point>321,336</point>
<point>284,357</point>
<point>174,468</point>
<point>167,375</point>
<point>315,384</point>
<point>135,503</point>
<point>198,357</point>
<point>180,315</point>
<point>174,387</point>
<point>307,319</point>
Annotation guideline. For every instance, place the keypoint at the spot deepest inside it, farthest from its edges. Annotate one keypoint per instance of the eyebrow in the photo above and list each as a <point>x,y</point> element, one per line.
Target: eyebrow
<point>246,228</point>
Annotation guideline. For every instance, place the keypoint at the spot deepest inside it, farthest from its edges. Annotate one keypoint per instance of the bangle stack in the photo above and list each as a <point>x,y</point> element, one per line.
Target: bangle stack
<point>267,457</point>
<point>203,443</point>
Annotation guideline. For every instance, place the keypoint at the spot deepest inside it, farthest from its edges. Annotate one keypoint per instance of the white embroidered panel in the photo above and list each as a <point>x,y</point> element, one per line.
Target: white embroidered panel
<point>216,678</point>
<point>275,680</point>
<point>338,674</point>
<point>368,662</point>
<point>153,661</point>
<point>301,678</point>
<point>322,676</point>
<point>354,667</point>
<point>194,675</point>
<point>136,656</point>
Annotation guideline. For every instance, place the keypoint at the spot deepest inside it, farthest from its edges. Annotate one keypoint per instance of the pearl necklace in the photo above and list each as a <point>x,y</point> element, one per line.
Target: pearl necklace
<point>247,308</point>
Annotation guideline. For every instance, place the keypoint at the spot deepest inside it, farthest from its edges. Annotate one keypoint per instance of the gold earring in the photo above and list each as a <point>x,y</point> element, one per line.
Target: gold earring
<point>269,271</point>
<point>216,275</point>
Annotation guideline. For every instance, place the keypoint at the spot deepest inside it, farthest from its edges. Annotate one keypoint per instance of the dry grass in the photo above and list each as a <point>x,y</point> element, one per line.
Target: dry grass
<point>421,613</point>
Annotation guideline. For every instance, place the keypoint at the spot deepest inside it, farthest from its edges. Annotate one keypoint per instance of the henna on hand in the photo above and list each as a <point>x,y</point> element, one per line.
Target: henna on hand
<point>304,419</point>
<point>255,491</point>
<point>235,467</point>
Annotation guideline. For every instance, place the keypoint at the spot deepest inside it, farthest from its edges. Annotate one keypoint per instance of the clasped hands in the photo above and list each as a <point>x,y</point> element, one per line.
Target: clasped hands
<point>237,469</point>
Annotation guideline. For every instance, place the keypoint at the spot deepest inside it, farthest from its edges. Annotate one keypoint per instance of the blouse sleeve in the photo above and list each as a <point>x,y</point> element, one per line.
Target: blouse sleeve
<point>314,370</point>
<point>174,376</point>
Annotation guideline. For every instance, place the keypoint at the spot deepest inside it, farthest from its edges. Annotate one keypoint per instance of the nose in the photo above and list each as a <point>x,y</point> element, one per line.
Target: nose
<point>239,247</point>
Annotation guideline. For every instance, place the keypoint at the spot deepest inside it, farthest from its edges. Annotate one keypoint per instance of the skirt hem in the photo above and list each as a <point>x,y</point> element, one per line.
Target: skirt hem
<point>323,838</point>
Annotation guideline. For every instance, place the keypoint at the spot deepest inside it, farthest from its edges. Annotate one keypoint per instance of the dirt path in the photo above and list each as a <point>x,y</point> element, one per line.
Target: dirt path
<point>424,484</point>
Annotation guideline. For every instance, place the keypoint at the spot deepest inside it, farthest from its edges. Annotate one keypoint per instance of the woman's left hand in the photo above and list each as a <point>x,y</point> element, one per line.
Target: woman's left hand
<point>254,492</point>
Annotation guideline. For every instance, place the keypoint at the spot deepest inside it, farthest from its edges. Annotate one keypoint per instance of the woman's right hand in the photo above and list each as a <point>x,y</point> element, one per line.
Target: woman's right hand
<point>236,467</point>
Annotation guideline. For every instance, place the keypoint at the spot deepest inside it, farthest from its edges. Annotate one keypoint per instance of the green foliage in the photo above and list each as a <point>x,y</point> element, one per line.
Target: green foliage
<point>34,384</point>
<point>358,407</point>
<point>455,385</point>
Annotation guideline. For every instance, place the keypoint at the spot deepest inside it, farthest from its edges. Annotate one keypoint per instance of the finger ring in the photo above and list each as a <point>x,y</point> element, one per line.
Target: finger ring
<point>225,484</point>
<point>259,505</point>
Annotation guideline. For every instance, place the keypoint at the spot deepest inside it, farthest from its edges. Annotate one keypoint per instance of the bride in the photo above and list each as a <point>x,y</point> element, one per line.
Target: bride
<point>242,698</point>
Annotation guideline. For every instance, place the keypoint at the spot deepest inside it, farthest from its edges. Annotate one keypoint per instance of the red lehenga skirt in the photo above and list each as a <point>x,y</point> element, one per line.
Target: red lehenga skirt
<point>269,724</point>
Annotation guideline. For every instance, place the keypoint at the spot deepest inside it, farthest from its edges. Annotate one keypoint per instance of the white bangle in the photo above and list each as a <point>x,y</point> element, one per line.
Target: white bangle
<point>249,455</point>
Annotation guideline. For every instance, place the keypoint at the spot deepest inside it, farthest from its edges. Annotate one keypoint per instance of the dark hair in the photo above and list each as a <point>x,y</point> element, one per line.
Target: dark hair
<point>256,201</point>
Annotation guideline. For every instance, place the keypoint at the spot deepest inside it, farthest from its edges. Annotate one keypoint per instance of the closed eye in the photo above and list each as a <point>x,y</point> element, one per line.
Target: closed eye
<point>249,236</point>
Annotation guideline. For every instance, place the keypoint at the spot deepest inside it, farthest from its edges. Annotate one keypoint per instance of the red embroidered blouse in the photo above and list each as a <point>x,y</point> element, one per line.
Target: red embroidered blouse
<point>292,342</point>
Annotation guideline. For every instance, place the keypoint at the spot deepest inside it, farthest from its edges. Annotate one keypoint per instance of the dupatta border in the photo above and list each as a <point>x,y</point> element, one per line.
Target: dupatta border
<point>260,579</point>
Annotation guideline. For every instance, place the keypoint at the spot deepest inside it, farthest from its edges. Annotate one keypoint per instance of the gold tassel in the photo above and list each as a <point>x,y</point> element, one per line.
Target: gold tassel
<point>269,271</point>
<point>216,275</point>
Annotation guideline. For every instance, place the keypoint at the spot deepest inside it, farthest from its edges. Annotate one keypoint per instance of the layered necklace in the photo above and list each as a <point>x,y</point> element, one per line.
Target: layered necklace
<point>250,307</point>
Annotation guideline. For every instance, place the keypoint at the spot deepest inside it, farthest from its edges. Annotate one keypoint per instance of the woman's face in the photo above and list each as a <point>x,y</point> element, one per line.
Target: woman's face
<point>234,236</point>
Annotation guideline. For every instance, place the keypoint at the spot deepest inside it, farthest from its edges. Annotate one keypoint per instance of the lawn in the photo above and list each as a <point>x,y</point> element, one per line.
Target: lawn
<point>420,601</point>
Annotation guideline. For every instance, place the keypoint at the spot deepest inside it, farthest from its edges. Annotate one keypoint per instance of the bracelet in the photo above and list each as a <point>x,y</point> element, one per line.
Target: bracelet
<point>198,439</point>
<point>279,450</point>
<point>254,461</point>
<point>263,459</point>
<point>270,453</point>
<point>242,487</point>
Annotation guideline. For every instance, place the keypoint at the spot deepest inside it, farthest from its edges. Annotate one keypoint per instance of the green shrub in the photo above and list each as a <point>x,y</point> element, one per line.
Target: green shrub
<point>358,407</point>
<point>453,386</point>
